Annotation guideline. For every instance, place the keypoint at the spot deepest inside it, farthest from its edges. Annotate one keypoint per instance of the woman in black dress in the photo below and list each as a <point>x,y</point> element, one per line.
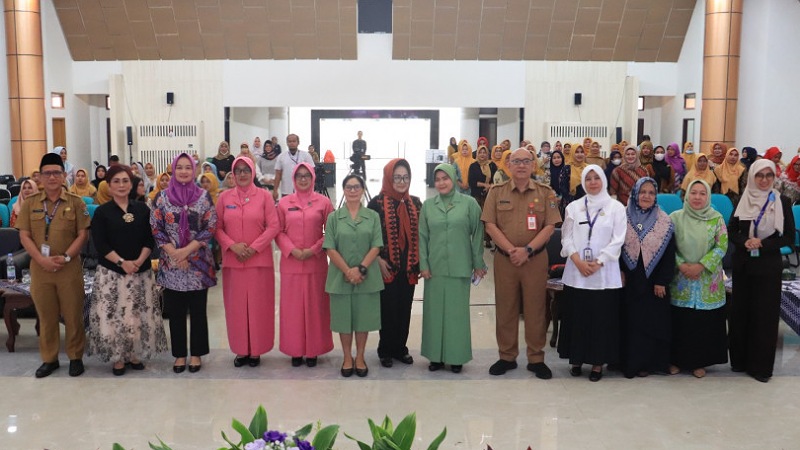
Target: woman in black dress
<point>648,265</point>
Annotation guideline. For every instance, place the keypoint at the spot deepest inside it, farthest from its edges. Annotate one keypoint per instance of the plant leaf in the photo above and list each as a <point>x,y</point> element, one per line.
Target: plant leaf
<point>233,446</point>
<point>325,437</point>
<point>162,445</point>
<point>361,445</point>
<point>385,443</point>
<point>377,432</point>
<point>387,425</point>
<point>303,432</point>
<point>247,436</point>
<point>403,435</point>
<point>117,447</point>
<point>258,425</point>
<point>438,441</point>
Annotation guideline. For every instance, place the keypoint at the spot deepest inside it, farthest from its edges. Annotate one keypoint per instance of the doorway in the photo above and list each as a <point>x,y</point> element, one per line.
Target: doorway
<point>59,132</point>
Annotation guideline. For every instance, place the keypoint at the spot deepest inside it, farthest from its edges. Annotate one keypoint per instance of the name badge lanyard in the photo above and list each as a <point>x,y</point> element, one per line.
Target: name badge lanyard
<point>770,198</point>
<point>587,252</point>
<point>48,218</point>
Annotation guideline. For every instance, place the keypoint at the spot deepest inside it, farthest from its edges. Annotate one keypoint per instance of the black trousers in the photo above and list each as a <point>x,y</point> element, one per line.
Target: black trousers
<point>396,301</point>
<point>754,313</point>
<point>176,305</point>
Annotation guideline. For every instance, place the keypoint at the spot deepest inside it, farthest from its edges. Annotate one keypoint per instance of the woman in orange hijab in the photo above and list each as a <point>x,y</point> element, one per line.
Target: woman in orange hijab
<point>462,160</point>
<point>732,176</point>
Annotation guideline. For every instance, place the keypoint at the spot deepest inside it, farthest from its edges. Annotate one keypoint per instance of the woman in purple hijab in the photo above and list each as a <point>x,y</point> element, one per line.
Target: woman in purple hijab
<point>678,164</point>
<point>183,222</point>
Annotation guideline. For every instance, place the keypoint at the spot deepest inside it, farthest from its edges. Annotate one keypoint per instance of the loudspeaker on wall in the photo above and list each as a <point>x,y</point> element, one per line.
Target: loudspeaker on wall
<point>129,134</point>
<point>578,98</point>
<point>170,98</point>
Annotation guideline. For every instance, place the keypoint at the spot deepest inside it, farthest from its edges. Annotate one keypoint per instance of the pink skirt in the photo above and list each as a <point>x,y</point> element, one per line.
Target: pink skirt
<point>249,297</point>
<point>305,315</point>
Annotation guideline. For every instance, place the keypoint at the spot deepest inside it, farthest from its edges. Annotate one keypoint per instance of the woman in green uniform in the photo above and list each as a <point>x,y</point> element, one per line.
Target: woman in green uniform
<point>451,251</point>
<point>353,239</point>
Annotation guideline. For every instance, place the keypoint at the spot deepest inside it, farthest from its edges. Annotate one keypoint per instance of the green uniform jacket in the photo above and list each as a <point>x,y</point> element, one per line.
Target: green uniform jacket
<point>451,237</point>
<point>353,239</point>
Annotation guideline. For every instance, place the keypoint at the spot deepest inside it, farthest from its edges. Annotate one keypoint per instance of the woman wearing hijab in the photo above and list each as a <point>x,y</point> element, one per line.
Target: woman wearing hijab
<point>560,174</point>
<point>789,183</point>
<point>26,189</point>
<point>567,150</point>
<point>662,172</point>
<point>99,175</point>
<point>266,165</point>
<point>481,174</point>
<point>614,161</point>
<point>648,266</point>
<point>210,183</point>
<point>463,160</point>
<point>732,176</point>
<point>698,290</point>
<point>689,156</point>
<point>82,187</point>
<point>701,171</point>
<point>592,236</point>
<point>207,167</point>
<point>162,183</point>
<point>626,175</point>
<point>717,155</point>
<point>247,222</point>
<point>305,321</point>
<point>762,224</point>
<point>140,174</point>
<point>503,172</point>
<point>103,194</point>
<point>125,324</point>
<point>749,156</point>
<point>69,168</point>
<point>228,183</point>
<point>646,153</point>
<point>398,259</point>
<point>450,235</point>
<point>150,174</point>
<point>353,240</point>
<point>496,155</point>
<point>774,154</point>
<point>678,164</point>
<point>576,169</point>
<point>223,160</point>
<point>183,222</point>
<point>594,155</point>
<point>452,148</point>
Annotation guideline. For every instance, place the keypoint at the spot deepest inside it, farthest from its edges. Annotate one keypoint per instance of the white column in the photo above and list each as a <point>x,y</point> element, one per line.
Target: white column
<point>279,124</point>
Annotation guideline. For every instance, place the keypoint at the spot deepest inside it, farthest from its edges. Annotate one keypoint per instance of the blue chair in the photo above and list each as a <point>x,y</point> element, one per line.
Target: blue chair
<point>723,205</point>
<point>669,203</point>
<point>91,209</point>
<point>88,200</point>
<point>5,216</point>
<point>12,201</point>
<point>796,215</point>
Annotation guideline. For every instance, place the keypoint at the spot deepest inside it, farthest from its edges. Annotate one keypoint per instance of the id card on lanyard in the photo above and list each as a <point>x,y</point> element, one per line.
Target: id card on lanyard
<point>771,198</point>
<point>532,225</point>
<point>587,252</point>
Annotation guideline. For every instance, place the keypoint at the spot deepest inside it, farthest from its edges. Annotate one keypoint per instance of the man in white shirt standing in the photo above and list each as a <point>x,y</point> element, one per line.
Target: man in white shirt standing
<point>286,162</point>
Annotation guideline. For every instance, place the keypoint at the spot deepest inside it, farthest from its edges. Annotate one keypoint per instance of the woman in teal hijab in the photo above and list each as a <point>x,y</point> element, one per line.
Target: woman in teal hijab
<point>699,336</point>
<point>451,252</point>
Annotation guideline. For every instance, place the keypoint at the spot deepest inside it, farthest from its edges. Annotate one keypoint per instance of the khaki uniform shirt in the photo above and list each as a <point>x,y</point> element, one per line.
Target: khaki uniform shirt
<point>508,209</point>
<point>69,218</point>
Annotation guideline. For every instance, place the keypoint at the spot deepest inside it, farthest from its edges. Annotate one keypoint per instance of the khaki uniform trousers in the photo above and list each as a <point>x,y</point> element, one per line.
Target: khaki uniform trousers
<point>525,286</point>
<point>56,295</point>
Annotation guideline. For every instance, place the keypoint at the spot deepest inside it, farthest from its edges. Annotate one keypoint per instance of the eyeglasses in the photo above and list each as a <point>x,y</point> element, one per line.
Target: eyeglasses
<point>303,176</point>
<point>51,173</point>
<point>401,178</point>
<point>245,171</point>
<point>120,181</point>
<point>765,176</point>
<point>521,162</point>
<point>352,187</point>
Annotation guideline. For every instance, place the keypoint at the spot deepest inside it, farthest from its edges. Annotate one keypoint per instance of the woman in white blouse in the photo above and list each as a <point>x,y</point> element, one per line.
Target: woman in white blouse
<point>592,237</point>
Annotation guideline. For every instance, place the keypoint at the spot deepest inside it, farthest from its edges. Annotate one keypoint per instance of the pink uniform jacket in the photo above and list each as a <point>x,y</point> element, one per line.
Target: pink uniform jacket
<point>252,220</point>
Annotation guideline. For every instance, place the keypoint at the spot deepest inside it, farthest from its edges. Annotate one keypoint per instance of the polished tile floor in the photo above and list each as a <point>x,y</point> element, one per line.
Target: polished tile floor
<point>512,412</point>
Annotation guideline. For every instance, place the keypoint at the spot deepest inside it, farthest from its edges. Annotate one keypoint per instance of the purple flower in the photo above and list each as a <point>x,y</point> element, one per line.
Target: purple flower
<point>258,444</point>
<point>304,445</point>
<point>274,436</point>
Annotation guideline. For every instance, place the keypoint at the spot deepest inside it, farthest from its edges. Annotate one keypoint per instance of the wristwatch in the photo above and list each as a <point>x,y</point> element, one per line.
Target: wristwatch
<point>67,258</point>
<point>362,269</point>
<point>529,249</point>
<point>119,263</point>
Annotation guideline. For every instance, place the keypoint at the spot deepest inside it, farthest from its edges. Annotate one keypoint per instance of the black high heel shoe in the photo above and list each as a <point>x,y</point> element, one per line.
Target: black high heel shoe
<point>240,361</point>
<point>595,375</point>
<point>347,372</point>
<point>179,368</point>
<point>254,361</point>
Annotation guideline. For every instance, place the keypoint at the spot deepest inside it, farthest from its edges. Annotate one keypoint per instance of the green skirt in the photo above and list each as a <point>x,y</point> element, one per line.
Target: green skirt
<point>446,335</point>
<point>355,312</point>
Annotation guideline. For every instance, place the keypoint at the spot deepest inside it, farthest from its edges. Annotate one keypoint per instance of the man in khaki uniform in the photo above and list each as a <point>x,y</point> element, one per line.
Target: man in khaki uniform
<point>53,228</point>
<point>520,216</point>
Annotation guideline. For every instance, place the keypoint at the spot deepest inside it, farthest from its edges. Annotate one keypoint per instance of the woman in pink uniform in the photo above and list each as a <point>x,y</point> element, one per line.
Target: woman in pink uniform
<point>305,307</point>
<point>246,225</point>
